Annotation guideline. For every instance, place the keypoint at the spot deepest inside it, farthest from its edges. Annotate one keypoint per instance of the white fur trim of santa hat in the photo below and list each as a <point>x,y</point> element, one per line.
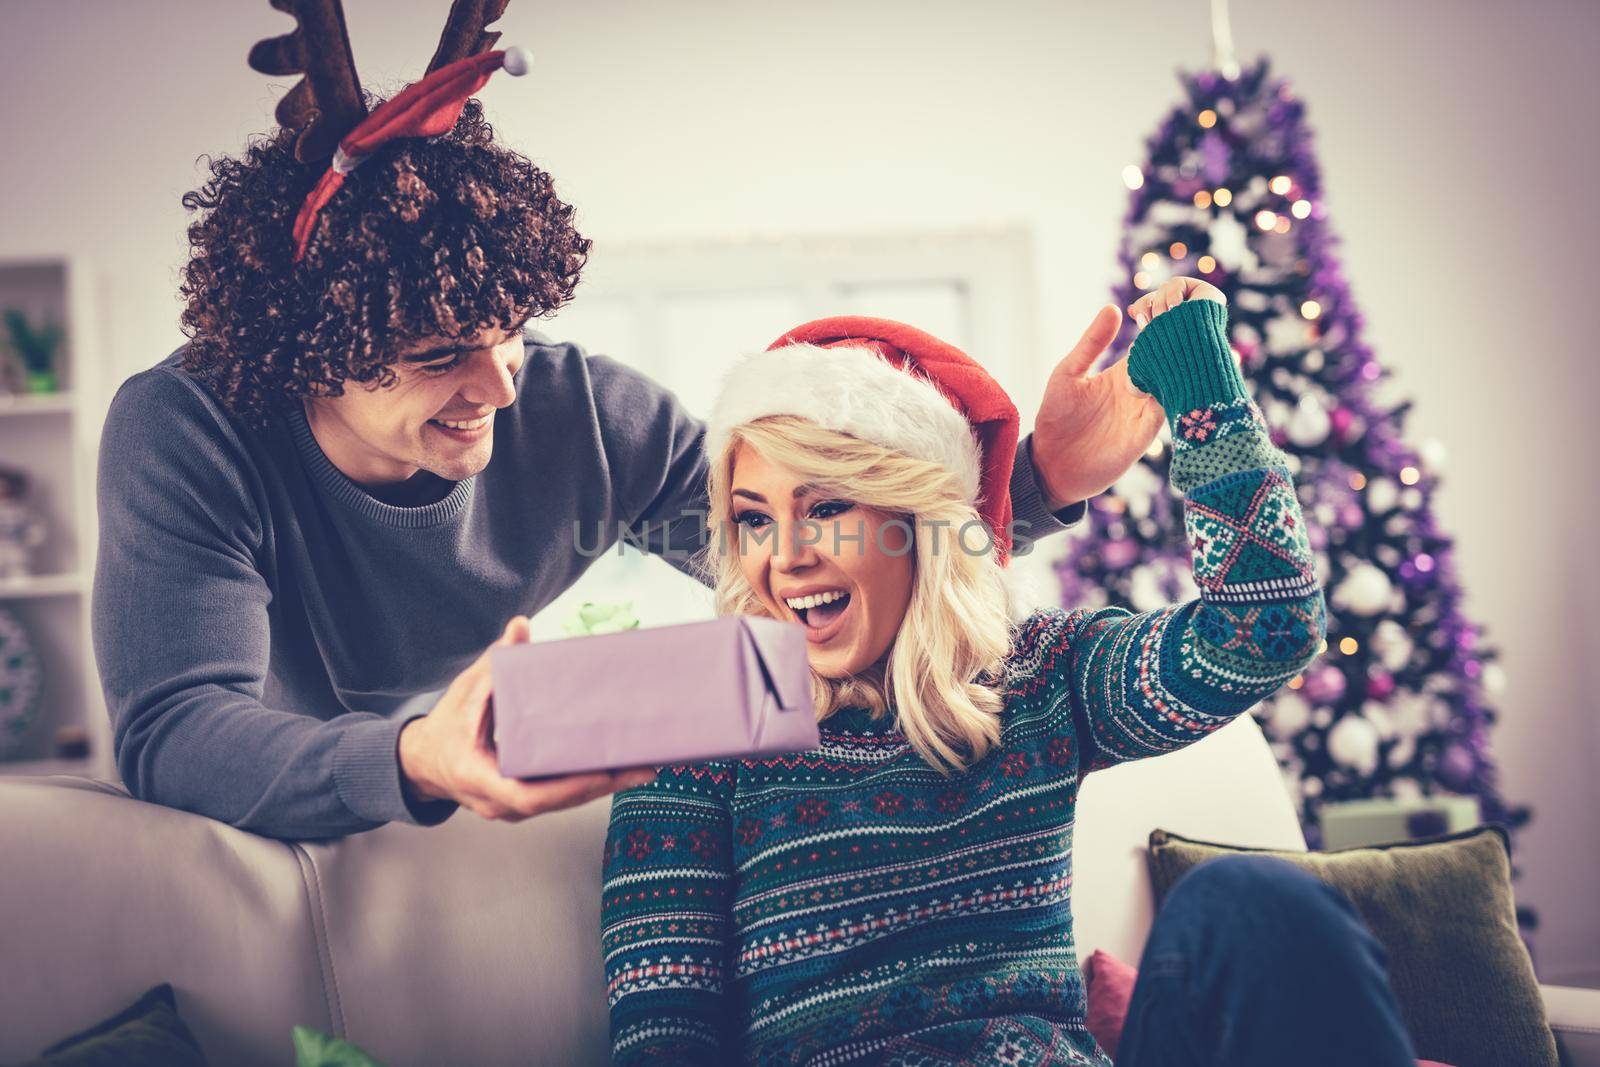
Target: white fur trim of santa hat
<point>851,390</point>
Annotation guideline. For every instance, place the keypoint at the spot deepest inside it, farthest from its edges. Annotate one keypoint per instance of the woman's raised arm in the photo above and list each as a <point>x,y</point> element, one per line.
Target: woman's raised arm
<point>1145,684</point>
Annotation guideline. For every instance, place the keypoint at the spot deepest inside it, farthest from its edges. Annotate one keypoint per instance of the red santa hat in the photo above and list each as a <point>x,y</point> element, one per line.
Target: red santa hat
<point>890,384</point>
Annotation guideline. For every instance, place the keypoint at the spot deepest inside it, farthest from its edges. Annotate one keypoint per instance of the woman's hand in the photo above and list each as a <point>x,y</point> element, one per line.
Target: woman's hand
<point>1169,296</point>
<point>1092,428</point>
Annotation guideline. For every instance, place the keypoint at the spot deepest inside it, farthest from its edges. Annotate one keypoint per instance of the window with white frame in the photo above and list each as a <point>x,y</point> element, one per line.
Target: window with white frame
<point>683,313</point>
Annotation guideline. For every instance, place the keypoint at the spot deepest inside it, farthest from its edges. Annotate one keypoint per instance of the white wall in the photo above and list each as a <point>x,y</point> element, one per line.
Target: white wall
<point>1456,142</point>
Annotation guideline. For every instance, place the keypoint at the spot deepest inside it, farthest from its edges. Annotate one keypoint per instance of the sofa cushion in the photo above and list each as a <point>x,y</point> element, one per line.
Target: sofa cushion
<point>1108,984</point>
<point>147,1033</point>
<point>1442,909</point>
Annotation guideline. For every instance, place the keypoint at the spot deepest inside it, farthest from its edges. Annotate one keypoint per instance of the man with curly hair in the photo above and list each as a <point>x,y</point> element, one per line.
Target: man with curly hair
<point>329,501</point>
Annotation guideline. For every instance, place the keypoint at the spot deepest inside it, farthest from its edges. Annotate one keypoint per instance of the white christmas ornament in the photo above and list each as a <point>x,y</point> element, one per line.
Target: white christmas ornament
<point>1166,214</point>
<point>1289,714</point>
<point>1183,577</point>
<point>1364,591</point>
<point>1410,714</point>
<point>1433,454</point>
<point>1405,788</point>
<point>1251,300</point>
<point>1143,590</point>
<point>1353,743</point>
<point>1442,714</point>
<point>1137,488</point>
<point>1382,494</point>
<point>1494,678</point>
<point>1392,645</point>
<point>1379,717</point>
<point>1230,243</point>
<point>1309,425</point>
<point>1287,333</point>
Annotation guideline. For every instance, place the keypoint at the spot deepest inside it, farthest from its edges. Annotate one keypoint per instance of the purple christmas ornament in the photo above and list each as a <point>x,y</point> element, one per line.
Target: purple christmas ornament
<point>1120,554</point>
<point>1325,684</point>
<point>1456,767</point>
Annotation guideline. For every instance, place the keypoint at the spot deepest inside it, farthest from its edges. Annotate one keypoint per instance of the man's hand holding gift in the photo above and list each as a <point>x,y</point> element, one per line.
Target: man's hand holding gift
<point>448,754</point>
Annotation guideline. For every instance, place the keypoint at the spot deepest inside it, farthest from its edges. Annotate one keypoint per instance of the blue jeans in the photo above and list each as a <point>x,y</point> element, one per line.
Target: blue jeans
<point>1252,962</point>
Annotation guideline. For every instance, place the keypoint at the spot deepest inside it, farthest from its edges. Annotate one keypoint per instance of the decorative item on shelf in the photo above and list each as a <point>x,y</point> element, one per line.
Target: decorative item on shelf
<point>21,681</point>
<point>602,618</point>
<point>72,742</point>
<point>22,528</point>
<point>35,349</point>
<point>1386,820</point>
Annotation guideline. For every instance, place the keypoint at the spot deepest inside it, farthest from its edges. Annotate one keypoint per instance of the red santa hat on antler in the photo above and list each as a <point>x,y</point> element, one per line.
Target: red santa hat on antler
<point>893,385</point>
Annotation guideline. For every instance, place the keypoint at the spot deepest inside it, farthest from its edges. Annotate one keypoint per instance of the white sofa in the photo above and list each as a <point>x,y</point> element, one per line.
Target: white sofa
<point>473,942</point>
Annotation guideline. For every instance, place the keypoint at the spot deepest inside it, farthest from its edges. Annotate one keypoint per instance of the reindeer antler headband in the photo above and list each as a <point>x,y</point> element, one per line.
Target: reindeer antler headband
<point>326,106</point>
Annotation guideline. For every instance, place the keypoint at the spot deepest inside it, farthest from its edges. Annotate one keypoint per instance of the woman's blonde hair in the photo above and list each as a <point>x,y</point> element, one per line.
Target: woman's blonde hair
<point>943,674</point>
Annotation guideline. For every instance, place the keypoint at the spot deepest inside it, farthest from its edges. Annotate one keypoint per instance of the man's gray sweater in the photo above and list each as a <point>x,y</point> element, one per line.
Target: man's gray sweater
<point>259,618</point>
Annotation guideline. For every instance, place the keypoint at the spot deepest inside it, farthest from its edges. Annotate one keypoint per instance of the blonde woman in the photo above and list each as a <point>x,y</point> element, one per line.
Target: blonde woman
<point>901,894</point>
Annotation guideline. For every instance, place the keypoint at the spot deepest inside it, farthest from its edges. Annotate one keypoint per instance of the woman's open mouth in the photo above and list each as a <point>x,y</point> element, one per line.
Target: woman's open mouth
<point>822,613</point>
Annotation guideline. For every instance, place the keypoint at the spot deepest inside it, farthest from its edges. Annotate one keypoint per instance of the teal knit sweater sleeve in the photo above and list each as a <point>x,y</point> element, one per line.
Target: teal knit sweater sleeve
<point>665,905</point>
<point>1144,684</point>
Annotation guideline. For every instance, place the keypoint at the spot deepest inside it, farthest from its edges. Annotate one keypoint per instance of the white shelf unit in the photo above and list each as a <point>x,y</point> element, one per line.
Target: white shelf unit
<point>50,437</point>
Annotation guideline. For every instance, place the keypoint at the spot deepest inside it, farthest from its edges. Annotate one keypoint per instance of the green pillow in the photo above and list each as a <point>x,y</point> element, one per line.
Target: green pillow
<point>313,1048</point>
<point>1442,908</point>
<point>148,1033</point>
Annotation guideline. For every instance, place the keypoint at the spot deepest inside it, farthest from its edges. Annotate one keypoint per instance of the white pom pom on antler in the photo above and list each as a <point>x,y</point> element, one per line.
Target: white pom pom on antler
<point>518,61</point>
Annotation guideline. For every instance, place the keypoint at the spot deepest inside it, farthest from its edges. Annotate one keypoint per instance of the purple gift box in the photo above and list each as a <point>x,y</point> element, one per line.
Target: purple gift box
<point>735,686</point>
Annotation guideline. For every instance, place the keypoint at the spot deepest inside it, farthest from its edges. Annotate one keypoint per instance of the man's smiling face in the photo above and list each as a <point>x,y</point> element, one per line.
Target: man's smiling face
<point>438,417</point>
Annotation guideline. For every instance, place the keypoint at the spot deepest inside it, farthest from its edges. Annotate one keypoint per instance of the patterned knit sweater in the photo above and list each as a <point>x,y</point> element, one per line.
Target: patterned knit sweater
<point>852,905</point>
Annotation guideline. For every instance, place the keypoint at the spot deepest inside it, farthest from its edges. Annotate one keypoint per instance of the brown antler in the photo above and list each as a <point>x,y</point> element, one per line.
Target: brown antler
<point>325,104</point>
<point>464,34</point>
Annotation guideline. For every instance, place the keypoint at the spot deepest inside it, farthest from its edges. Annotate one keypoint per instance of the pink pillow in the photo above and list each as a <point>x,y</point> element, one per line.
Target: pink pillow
<point>1110,988</point>
<point>1110,983</point>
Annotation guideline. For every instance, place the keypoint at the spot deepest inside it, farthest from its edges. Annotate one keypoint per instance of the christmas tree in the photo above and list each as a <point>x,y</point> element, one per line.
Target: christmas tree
<point>1397,703</point>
